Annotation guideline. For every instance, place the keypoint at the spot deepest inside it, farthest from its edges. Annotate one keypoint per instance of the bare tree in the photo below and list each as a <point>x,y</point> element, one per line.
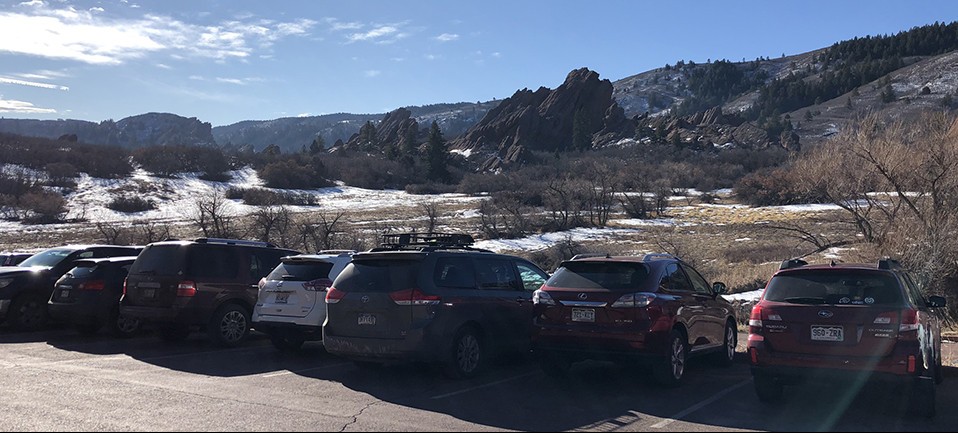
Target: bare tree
<point>214,216</point>
<point>274,224</point>
<point>146,232</point>
<point>112,233</point>
<point>322,233</point>
<point>430,210</point>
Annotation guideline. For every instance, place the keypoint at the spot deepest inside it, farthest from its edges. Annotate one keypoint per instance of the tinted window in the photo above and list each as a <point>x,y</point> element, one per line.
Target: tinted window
<point>698,282</point>
<point>301,271</point>
<point>162,260</point>
<point>496,274</point>
<point>213,262</point>
<point>914,291</point>
<point>84,270</point>
<point>48,258</point>
<point>675,280</point>
<point>378,275</point>
<point>600,275</point>
<point>532,277</point>
<point>456,272</point>
<point>835,287</point>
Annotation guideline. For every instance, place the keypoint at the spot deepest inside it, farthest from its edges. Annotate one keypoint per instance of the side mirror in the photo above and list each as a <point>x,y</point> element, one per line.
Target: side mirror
<point>719,288</point>
<point>936,302</point>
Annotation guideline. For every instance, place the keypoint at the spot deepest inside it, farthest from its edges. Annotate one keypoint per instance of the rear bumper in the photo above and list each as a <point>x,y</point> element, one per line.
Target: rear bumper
<point>271,325</point>
<point>168,315</point>
<point>412,348</point>
<point>72,313</point>
<point>794,366</point>
<point>593,345</point>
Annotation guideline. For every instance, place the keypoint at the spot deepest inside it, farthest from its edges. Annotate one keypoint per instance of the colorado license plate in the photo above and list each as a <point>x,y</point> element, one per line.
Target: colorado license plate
<point>583,315</point>
<point>828,333</point>
<point>367,319</point>
<point>282,298</point>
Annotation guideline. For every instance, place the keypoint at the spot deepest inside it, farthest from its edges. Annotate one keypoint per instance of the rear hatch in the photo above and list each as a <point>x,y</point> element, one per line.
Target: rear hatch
<point>832,312</point>
<point>596,296</point>
<point>83,279</point>
<point>365,299</point>
<point>295,287</point>
<point>155,275</point>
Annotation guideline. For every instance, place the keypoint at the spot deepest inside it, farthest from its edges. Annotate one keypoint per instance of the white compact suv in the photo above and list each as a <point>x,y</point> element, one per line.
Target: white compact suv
<point>291,307</point>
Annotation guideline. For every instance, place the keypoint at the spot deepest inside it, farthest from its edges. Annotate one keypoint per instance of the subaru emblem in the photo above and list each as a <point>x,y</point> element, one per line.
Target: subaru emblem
<point>825,314</point>
<point>583,296</point>
<point>365,299</point>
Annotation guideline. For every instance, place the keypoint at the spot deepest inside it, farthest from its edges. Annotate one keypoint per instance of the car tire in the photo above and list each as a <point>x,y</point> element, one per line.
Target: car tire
<point>28,313</point>
<point>229,325</point>
<point>174,333</point>
<point>921,398</point>
<point>287,342</point>
<point>466,356</point>
<point>122,326</point>
<point>670,369</point>
<point>768,388</point>
<point>726,356</point>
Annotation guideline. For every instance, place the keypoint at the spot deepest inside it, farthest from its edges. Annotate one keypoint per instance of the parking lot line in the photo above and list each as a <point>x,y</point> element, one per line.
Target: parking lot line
<point>710,400</point>
<point>283,373</point>
<point>463,391</point>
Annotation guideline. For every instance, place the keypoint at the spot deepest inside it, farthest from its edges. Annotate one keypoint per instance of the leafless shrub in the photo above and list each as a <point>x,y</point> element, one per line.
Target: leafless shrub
<point>321,232</point>
<point>274,224</point>
<point>214,216</point>
<point>430,210</point>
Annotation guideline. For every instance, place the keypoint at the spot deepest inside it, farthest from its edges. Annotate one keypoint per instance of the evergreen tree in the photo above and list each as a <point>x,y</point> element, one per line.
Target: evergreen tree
<point>437,155</point>
<point>317,146</point>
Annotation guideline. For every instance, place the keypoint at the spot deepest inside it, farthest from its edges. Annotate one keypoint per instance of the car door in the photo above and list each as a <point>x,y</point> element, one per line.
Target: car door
<point>508,308</point>
<point>713,311</point>
<point>685,305</point>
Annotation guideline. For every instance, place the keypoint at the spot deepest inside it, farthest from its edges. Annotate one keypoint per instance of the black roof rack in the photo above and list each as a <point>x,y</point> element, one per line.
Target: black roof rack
<point>235,242</point>
<point>427,242</point>
<point>792,263</point>
<point>889,263</point>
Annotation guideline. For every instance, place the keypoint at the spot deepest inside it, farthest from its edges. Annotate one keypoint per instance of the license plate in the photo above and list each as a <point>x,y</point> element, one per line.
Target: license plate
<point>282,297</point>
<point>828,333</point>
<point>149,293</point>
<point>367,319</point>
<point>583,315</point>
<point>64,294</point>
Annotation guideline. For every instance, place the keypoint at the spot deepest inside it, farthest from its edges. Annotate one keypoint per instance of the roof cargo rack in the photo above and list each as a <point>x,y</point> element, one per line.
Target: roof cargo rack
<point>792,263</point>
<point>427,241</point>
<point>590,255</point>
<point>658,256</point>
<point>889,263</point>
<point>235,242</point>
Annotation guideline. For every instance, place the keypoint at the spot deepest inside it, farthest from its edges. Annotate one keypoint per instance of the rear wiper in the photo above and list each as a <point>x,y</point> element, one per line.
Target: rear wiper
<point>805,300</point>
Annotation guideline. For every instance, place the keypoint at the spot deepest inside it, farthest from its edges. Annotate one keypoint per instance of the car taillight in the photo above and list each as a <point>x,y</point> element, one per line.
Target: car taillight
<point>755,320</point>
<point>186,289</point>
<point>94,285</point>
<point>317,285</point>
<point>908,329</point>
<point>124,286</point>
<point>414,297</point>
<point>634,300</point>
<point>333,296</point>
<point>541,297</point>
<point>261,283</point>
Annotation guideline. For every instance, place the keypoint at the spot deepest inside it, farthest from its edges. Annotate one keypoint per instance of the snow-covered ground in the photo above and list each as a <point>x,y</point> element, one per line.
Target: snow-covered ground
<point>745,296</point>
<point>546,240</point>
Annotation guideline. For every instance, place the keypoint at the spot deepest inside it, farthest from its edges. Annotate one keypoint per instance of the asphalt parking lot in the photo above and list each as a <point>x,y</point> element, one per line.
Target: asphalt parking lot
<point>58,380</point>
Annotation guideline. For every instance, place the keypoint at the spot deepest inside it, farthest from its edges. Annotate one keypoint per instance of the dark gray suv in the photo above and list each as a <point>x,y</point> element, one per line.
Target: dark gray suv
<point>431,298</point>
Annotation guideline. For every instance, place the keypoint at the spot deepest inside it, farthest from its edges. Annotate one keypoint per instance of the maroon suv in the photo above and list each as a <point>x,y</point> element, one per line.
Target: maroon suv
<point>849,322</point>
<point>653,308</point>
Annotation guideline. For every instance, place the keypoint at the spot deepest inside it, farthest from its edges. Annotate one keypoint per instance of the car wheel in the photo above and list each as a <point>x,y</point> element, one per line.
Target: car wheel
<point>229,326</point>
<point>89,328</point>
<point>28,313</point>
<point>466,357</point>
<point>671,368</point>
<point>123,326</point>
<point>172,334</point>
<point>922,398</point>
<point>768,388</point>
<point>287,342</point>
<point>726,356</point>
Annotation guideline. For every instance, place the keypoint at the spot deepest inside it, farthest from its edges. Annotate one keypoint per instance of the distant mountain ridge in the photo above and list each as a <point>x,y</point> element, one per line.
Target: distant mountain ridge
<point>149,129</point>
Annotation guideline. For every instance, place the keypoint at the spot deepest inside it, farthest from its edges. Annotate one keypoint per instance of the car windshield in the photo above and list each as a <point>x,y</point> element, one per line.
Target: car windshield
<point>616,276</point>
<point>48,258</point>
<point>835,287</point>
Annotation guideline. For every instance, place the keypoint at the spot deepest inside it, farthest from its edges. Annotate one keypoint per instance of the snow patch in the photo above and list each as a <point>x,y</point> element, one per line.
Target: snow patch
<point>546,240</point>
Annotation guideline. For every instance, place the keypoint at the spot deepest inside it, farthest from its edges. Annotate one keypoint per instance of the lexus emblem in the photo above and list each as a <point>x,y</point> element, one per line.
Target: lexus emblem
<point>825,314</point>
<point>365,299</point>
<point>583,296</point>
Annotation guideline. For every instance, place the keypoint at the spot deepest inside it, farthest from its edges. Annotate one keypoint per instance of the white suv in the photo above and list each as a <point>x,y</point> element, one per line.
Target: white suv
<point>291,307</point>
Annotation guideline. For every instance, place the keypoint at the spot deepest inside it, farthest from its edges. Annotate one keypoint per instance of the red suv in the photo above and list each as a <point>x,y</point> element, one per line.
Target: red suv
<point>653,308</point>
<point>849,322</point>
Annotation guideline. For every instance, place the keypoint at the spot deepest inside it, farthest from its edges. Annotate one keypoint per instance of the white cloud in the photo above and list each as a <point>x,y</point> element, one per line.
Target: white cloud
<point>336,25</point>
<point>431,57</point>
<point>97,9</point>
<point>372,73</point>
<point>7,80</point>
<point>303,115</point>
<point>13,106</point>
<point>496,54</point>
<point>447,37</point>
<point>43,74</point>
<point>32,3</point>
<point>373,34</point>
<point>163,66</point>
<point>66,33</point>
<point>236,81</point>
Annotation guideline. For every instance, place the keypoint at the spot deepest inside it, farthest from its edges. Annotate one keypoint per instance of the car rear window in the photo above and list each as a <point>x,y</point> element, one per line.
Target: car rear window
<point>301,271</point>
<point>84,270</point>
<point>835,287</point>
<point>164,260</point>
<point>378,275</point>
<point>616,276</point>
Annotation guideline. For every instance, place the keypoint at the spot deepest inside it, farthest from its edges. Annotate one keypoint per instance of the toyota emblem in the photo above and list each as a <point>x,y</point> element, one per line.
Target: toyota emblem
<point>365,299</point>
<point>825,314</point>
<point>583,296</point>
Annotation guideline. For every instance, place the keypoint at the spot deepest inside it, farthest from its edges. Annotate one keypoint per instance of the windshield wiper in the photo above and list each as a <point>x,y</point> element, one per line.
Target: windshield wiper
<point>805,300</point>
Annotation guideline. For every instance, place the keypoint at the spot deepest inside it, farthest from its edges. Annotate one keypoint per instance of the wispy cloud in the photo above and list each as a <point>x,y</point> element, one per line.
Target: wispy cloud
<point>21,107</point>
<point>62,32</point>
<point>43,74</point>
<point>337,25</point>
<point>163,66</point>
<point>372,73</point>
<point>447,37</point>
<point>8,80</point>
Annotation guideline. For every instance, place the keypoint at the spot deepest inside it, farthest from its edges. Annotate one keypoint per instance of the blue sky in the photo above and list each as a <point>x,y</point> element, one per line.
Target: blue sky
<point>224,61</point>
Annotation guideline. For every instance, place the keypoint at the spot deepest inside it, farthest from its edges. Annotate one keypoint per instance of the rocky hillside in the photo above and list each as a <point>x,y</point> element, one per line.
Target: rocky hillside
<point>149,129</point>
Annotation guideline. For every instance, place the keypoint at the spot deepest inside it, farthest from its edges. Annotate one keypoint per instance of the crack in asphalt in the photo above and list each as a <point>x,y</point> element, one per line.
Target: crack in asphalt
<point>356,417</point>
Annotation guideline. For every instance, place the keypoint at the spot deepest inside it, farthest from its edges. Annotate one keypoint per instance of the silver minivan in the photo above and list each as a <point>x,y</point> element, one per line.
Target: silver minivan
<point>291,305</point>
